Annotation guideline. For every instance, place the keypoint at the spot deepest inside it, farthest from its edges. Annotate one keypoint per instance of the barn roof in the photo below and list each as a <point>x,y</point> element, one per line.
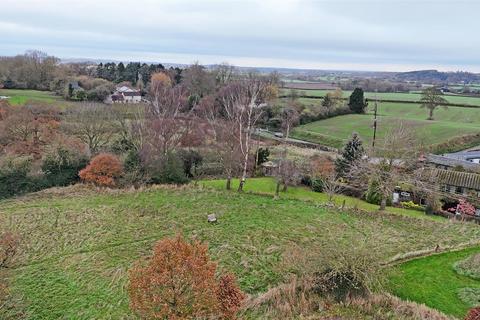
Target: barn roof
<point>452,162</point>
<point>455,178</point>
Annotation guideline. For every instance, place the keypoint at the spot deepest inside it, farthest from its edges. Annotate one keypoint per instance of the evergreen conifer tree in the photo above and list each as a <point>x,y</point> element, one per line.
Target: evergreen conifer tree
<point>352,152</point>
<point>357,102</point>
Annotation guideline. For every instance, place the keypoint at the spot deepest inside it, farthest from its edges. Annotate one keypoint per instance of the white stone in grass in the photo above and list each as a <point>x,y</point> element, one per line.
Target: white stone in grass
<point>212,218</point>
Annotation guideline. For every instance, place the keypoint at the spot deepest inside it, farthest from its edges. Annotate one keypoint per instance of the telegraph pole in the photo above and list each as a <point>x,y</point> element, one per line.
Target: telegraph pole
<point>375,121</point>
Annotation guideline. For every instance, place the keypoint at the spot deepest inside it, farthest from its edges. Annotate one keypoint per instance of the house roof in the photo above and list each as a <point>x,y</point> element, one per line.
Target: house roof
<point>464,155</point>
<point>455,178</point>
<point>124,89</point>
<point>132,94</point>
<point>452,162</point>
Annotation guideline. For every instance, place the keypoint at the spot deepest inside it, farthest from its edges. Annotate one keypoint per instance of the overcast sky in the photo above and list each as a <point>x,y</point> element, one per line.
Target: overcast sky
<point>335,34</point>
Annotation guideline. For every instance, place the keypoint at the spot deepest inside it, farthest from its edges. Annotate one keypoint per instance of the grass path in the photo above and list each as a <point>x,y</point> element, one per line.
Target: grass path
<point>433,281</point>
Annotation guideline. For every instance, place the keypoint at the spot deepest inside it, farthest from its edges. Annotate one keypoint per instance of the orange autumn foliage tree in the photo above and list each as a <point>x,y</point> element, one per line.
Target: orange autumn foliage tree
<point>103,170</point>
<point>178,282</point>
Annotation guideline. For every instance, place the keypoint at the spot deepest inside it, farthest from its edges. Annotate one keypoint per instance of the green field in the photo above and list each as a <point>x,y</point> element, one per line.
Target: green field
<point>448,123</point>
<point>19,97</point>
<point>267,186</point>
<point>78,243</point>
<point>474,101</point>
<point>433,281</point>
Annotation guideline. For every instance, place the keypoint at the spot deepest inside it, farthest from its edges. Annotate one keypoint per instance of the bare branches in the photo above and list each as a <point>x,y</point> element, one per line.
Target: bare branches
<point>93,124</point>
<point>241,103</point>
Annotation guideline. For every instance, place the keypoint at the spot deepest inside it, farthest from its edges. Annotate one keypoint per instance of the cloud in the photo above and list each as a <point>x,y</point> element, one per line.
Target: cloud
<point>342,34</point>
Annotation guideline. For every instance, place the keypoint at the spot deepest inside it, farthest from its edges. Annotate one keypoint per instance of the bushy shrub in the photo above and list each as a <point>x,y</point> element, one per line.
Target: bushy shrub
<point>168,169</point>
<point>317,185</point>
<point>473,314</point>
<point>178,282</point>
<point>14,177</point>
<point>61,167</point>
<point>372,195</point>
<point>348,274</point>
<point>465,208</point>
<point>411,205</point>
<point>469,267</point>
<point>134,170</point>
<point>470,296</point>
<point>103,170</point>
<point>306,181</point>
<point>191,161</point>
<point>229,296</point>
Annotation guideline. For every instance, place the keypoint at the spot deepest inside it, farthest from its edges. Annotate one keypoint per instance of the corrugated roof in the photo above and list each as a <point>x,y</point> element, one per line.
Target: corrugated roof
<point>456,178</point>
<point>452,162</point>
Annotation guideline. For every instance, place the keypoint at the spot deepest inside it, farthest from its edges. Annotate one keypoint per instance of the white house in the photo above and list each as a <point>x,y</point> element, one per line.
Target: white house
<point>124,94</point>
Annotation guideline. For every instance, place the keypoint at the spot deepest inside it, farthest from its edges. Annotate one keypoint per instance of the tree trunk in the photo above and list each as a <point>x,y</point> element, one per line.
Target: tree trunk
<point>245,165</point>
<point>430,116</point>
<point>277,190</point>
<point>229,182</point>
<point>383,204</point>
<point>240,186</point>
<point>285,187</point>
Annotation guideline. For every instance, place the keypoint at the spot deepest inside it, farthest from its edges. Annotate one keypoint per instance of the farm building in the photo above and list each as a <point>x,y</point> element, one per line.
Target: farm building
<point>454,184</point>
<point>124,94</point>
<point>454,161</point>
<point>470,156</point>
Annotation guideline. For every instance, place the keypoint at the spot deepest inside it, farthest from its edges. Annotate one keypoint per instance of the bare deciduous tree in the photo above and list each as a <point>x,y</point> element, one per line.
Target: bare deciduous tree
<point>290,118</point>
<point>242,103</point>
<point>223,138</point>
<point>93,124</point>
<point>393,162</point>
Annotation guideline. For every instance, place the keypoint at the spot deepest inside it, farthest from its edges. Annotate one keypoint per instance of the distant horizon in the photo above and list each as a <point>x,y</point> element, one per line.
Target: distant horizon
<point>343,35</point>
<point>69,59</point>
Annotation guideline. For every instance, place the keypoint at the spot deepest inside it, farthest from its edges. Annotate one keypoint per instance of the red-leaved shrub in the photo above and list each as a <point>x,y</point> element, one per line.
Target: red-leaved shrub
<point>465,208</point>
<point>229,296</point>
<point>103,170</point>
<point>178,282</point>
<point>473,314</point>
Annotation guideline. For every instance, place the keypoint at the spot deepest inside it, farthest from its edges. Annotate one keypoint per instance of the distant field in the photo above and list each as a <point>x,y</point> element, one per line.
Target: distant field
<point>474,101</point>
<point>19,97</point>
<point>451,122</point>
<point>434,282</point>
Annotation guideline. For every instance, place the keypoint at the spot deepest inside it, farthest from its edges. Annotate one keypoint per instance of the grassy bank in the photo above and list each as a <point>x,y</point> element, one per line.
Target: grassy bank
<point>77,243</point>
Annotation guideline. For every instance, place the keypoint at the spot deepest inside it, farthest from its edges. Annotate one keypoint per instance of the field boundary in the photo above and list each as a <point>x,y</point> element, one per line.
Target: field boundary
<point>456,105</point>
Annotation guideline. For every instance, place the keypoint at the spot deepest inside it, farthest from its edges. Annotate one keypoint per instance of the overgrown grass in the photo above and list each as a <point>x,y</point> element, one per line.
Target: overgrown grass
<point>433,281</point>
<point>78,243</point>
<point>268,185</point>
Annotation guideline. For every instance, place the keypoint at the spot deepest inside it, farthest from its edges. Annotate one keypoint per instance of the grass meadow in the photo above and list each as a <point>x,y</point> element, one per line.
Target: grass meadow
<point>434,282</point>
<point>449,122</point>
<point>400,96</point>
<point>77,243</point>
<point>20,97</point>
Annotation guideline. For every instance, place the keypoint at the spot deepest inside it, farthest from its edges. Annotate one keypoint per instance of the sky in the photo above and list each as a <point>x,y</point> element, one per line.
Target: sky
<point>370,35</point>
